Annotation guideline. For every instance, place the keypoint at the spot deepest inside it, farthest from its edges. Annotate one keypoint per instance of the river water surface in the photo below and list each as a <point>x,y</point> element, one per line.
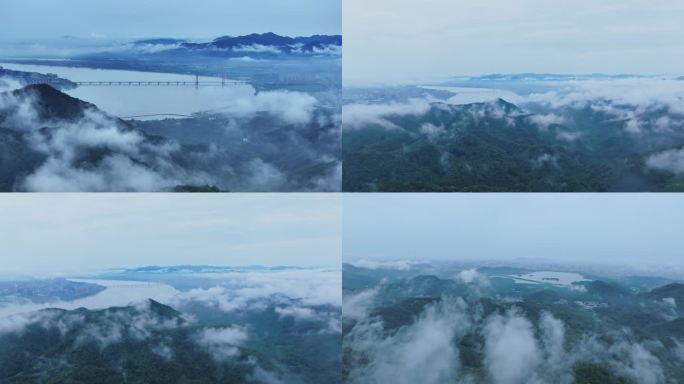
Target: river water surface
<point>127,101</point>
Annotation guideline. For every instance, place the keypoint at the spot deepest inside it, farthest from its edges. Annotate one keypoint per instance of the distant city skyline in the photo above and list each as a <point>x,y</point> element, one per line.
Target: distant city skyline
<point>26,20</point>
<point>54,233</point>
<point>399,41</point>
<point>620,229</point>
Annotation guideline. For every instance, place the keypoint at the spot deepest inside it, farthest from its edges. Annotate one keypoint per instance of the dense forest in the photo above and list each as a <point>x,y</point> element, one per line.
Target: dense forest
<point>498,146</point>
<point>481,324</point>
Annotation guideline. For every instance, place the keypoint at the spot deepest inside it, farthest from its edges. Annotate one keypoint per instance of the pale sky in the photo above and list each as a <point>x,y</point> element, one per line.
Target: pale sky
<point>48,19</point>
<point>53,233</point>
<point>405,41</point>
<point>611,228</point>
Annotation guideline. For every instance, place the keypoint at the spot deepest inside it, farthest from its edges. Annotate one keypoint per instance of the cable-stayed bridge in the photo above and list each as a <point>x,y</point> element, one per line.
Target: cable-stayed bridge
<point>223,82</point>
<point>168,83</point>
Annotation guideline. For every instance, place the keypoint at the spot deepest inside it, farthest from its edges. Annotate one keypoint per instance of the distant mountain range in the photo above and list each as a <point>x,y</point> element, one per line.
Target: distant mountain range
<point>530,76</point>
<point>207,268</point>
<point>264,43</point>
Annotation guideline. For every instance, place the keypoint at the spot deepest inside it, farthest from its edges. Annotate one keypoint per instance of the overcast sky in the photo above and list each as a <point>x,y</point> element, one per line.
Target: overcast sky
<point>407,40</point>
<point>41,19</point>
<point>51,233</point>
<point>582,228</point>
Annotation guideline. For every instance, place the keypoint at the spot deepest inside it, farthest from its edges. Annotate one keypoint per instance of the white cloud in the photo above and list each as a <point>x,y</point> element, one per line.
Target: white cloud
<point>356,305</point>
<point>511,349</point>
<point>257,48</point>
<point>472,276</point>
<point>246,59</point>
<point>248,290</point>
<point>356,116</point>
<point>328,50</point>
<point>400,265</point>
<point>546,120</point>
<point>545,160</point>
<point>291,106</point>
<point>422,352</point>
<point>163,351</point>
<point>297,312</point>
<point>432,131</point>
<point>92,153</point>
<point>553,339</point>
<point>568,136</point>
<point>670,160</point>
<point>636,362</point>
<point>222,343</point>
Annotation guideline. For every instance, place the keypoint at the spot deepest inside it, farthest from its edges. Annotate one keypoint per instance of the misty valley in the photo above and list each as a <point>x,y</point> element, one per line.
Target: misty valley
<point>177,324</point>
<point>449,322</point>
<point>517,133</point>
<point>258,112</point>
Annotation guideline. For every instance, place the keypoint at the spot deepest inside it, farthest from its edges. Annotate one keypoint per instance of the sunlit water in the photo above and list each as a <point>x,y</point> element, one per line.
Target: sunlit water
<point>127,101</point>
<point>117,293</point>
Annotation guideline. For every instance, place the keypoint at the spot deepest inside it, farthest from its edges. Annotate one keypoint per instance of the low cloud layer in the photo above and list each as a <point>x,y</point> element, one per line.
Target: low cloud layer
<point>422,352</point>
<point>222,343</point>
<point>627,99</point>
<point>670,160</point>
<point>290,106</point>
<point>89,152</point>
<point>356,116</point>
<point>515,347</point>
<point>244,291</point>
<point>115,326</point>
<point>64,150</point>
<point>400,265</point>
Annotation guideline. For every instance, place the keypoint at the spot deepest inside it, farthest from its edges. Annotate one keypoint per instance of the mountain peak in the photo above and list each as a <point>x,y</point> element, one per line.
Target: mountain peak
<point>162,310</point>
<point>51,103</point>
<point>507,106</point>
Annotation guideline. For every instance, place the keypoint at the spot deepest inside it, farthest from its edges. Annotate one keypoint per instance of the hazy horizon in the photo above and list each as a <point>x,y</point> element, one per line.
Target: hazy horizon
<point>61,233</point>
<point>591,229</point>
<point>395,42</point>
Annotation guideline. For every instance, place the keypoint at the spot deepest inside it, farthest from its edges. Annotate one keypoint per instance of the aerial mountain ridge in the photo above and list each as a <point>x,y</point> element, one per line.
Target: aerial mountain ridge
<point>609,317</point>
<point>51,103</point>
<point>499,146</point>
<point>114,345</point>
<point>673,291</point>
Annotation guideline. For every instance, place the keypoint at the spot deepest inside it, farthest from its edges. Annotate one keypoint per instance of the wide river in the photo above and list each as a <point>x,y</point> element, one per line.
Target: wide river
<point>117,293</point>
<point>128,101</point>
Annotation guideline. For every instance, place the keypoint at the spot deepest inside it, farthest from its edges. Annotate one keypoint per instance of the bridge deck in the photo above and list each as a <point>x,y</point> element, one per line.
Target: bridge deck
<point>161,83</point>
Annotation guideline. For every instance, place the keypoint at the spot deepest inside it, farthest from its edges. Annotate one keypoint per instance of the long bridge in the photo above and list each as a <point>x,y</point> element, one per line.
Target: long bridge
<point>196,83</point>
<point>223,82</point>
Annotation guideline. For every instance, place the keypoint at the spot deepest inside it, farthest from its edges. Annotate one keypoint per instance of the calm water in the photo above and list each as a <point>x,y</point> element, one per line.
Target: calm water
<point>117,293</point>
<point>125,101</point>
